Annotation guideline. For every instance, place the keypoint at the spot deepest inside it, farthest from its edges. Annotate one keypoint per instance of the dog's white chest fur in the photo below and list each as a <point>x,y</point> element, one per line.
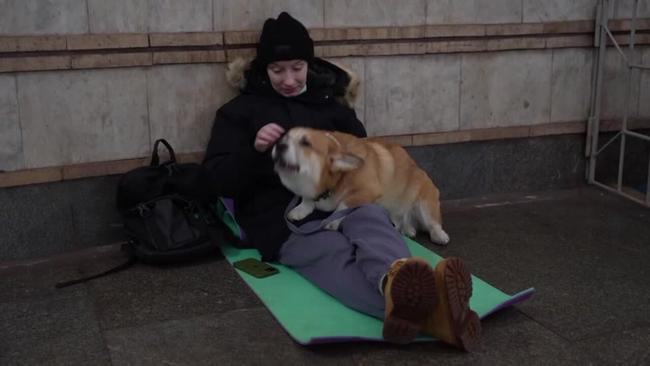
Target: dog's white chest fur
<point>301,185</point>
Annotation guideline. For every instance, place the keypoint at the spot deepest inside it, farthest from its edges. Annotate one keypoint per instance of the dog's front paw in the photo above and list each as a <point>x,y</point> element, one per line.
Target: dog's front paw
<point>334,225</point>
<point>301,211</point>
<point>439,237</point>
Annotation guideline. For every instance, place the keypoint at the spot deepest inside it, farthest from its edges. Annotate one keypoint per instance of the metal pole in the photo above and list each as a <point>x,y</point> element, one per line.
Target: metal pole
<point>608,188</point>
<point>647,185</point>
<point>609,142</point>
<point>633,67</point>
<point>621,160</point>
<point>594,78</point>
<point>618,134</point>
<point>634,58</point>
<point>628,93</point>
<point>595,120</point>
<point>636,134</point>
<point>617,46</point>
<point>639,68</point>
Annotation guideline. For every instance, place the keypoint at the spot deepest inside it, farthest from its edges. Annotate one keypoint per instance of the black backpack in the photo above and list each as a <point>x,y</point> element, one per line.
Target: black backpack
<point>166,214</point>
<point>170,229</point>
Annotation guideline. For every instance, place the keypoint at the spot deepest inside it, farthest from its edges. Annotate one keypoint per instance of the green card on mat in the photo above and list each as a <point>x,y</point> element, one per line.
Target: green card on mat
<point>311,316</point>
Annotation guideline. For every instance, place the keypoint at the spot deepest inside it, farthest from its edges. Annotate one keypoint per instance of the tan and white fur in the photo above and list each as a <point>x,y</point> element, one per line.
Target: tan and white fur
<point>333,171</point>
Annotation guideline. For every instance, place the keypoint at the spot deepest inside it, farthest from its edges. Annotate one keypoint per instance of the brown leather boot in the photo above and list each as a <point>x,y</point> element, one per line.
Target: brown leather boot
<point>453,321</point>
<point>410,294</point>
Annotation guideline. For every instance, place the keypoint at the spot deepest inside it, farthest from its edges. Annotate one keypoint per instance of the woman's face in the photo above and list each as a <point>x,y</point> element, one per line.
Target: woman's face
<point>288,78</point>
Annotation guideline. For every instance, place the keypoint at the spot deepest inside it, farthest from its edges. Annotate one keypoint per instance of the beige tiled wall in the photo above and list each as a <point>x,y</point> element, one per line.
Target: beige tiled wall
<point>182,103</point>
<point>615,87</point>
<point>19,17</point>
<point>473,11</point>
<point>180,16</point>
<point>624,8</point>
<point>109,114</point>
<point>10,141</point>
<point>57,118</point>
<point>571,84</point>
<point>129,16</point>
<point>558,10</point>
<point>370,13</point>
<point>83,116</point>
<point>251,14</point>
<point>412,94</point>
<point>505,89</point>
<point>118,16</point>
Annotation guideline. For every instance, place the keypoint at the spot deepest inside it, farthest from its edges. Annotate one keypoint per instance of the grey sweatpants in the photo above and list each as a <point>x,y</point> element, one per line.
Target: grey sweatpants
<point>349,263</point>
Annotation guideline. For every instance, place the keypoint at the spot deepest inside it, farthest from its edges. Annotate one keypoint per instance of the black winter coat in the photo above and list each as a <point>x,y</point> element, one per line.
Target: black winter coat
<point>236,170</point>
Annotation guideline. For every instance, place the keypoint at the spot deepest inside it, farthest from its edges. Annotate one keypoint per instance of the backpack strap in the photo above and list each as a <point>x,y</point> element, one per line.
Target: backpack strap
<point>155,160</point>
<point>128,263</point>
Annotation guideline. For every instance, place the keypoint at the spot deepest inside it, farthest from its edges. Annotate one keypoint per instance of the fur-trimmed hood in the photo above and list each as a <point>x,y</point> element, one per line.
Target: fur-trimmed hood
<point>340,81</point>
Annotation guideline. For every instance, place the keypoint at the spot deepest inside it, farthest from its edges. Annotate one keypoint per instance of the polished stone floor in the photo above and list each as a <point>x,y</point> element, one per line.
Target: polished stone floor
<point>586,252</point>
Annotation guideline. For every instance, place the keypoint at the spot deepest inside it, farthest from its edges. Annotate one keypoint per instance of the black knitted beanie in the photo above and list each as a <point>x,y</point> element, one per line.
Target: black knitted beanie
<point>284,38</point>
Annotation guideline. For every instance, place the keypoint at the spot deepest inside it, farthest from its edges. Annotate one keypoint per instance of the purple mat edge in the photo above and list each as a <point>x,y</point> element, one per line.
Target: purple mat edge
<point>515,299</point>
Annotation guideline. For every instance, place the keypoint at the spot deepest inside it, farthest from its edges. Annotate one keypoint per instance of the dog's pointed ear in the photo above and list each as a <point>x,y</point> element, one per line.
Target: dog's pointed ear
<point>345,162</point>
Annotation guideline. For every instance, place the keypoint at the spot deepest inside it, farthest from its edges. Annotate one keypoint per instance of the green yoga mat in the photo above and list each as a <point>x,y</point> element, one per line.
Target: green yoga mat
<point>311,316</point>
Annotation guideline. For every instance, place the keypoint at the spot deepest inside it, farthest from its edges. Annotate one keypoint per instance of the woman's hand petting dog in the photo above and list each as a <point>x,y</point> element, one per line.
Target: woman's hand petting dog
<point>267,136</point>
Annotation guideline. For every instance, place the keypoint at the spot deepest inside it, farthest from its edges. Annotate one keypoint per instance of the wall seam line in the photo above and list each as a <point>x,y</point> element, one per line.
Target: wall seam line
<point>20,124</point>
<point>88,17</point>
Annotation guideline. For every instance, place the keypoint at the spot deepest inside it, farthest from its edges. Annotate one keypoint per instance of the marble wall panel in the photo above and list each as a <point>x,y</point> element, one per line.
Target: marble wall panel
<point>615,87</point>
<point>250,14</point>
<point>374,13</point>
<point>625,8</point>
<point>180,16</point>
<point>536,11</point>
<point>473,11</point>
<point>571,84</point>
<point>183,100</point>
<point>11,156</point>
<point>505,89</point>
<point>412,94</point>
<point>83,116</point>
<point>25,17</point>
<point>118,16</point>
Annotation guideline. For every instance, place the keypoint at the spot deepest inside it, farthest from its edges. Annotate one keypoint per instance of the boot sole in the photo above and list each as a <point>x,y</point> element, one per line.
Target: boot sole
<point>465,323</point>
<point>413,292</point>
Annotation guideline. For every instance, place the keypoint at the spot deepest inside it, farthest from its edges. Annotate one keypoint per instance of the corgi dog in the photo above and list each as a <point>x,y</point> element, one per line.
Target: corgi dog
<point>332,171</point>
